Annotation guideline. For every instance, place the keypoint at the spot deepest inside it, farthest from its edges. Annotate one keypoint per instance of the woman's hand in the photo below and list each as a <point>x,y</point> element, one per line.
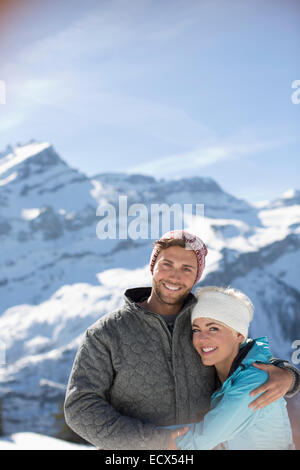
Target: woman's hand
<point>178,432</point>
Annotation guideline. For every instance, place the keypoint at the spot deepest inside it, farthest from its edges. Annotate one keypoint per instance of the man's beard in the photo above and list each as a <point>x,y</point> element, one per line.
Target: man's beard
<point>164,298</point>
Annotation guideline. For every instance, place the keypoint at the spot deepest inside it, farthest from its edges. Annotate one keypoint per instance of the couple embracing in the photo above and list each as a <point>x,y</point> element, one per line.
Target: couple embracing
<point>172,369</point>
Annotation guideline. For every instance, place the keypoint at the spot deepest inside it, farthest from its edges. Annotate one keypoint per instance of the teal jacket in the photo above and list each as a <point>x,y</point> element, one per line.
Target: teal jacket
<point>230,423</point>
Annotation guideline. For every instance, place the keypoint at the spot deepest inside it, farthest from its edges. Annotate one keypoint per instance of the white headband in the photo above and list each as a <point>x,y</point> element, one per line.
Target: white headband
<point>224,308</point>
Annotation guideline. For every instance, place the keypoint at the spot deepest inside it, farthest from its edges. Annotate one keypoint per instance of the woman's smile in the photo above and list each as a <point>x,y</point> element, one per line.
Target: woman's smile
<point>208,350</point>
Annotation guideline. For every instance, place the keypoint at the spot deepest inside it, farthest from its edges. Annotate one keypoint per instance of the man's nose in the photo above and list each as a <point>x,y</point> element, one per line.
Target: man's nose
<point>176,274</point>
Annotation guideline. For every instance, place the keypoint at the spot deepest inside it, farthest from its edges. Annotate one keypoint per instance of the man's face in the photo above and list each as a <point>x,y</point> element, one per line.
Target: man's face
<point>174,274</point>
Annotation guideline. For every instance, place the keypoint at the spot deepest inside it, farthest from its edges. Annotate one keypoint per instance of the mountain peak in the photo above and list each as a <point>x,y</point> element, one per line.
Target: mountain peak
<point>290,197</point>
<point>193,184</point>
<point>119,177</point>
<point>291,194</point>
<point>33,157</point>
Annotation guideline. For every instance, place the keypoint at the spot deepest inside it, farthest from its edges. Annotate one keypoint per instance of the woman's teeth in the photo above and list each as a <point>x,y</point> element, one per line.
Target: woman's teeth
<point>208,349</point>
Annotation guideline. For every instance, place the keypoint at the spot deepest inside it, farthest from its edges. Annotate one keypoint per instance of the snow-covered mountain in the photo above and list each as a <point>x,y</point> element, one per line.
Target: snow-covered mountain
<point>57,276</point>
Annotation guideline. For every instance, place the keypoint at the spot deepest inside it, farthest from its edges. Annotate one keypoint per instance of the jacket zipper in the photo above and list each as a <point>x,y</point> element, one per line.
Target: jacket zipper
<point>169,336</point>
<point>163,323</point>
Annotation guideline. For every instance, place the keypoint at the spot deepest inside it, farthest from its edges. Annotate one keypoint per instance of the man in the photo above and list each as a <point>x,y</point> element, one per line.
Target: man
<point>137,369</point>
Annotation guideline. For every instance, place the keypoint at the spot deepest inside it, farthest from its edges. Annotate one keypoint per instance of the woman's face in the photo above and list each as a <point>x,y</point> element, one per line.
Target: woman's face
<point>216,343</point>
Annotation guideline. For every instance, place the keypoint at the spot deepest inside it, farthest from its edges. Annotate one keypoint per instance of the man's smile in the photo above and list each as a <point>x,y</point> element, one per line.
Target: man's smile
<point>171,287</point>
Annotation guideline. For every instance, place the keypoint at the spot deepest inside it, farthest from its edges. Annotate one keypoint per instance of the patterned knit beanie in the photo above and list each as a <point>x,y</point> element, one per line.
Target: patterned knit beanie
<point>192,242</point>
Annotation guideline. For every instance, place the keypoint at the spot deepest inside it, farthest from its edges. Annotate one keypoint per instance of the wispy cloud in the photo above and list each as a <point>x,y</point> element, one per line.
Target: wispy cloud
<point>115,25</point>
<point>176,165</point>
<point>84,69</point>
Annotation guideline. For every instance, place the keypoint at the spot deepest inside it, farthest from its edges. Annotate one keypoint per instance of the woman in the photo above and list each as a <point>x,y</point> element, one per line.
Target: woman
<point>220,322</point>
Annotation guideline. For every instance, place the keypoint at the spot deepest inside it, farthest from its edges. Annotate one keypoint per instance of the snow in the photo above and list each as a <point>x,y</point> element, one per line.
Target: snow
<point>125,278</point>
<point>287,268</point>
<point>281,216</point>
<point>8,179</point>
<point>20,154</point>
<point>58,278</point>
<point>35,441</point>
<point>289,194</point>
<point>30,214</point>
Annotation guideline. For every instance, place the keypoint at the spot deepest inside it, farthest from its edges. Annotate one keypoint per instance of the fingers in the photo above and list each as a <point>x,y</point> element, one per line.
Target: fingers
<point>261,366</point>
<point>279,380</point>
<point>183,431</point>
<point>274,388</point>
<point>264,387</point>
<point>264,400</point>
<point>261,389</point>
<point>179,432</point>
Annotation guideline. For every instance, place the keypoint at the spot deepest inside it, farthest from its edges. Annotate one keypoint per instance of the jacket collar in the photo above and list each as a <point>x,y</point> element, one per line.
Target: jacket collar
<point>241,355</point>
<point>259,352</point>
<point>139,294</point>
<point>253,350</point>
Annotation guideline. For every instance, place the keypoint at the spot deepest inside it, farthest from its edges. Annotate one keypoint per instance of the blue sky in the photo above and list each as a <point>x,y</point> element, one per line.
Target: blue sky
<point>168,88</point>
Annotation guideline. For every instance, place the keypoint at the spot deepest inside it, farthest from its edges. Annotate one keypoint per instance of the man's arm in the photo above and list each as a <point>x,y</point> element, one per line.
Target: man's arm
<point>286,365</point>
<point>284,380</point>
<point>87,408</point>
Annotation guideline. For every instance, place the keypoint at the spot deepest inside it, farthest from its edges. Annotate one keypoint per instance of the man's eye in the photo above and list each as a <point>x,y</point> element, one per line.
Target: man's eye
<point>195,331</point>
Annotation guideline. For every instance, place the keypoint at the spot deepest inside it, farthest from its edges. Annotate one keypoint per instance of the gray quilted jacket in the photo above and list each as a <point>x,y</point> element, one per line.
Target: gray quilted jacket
<point>130,376</point>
